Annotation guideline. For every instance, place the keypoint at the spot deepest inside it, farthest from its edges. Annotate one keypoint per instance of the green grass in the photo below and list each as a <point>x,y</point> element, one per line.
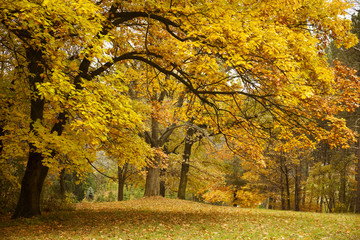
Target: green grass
<point>159,218</point>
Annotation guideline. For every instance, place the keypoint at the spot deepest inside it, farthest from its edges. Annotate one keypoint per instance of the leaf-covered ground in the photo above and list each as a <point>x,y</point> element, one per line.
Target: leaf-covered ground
<point>160,218</point>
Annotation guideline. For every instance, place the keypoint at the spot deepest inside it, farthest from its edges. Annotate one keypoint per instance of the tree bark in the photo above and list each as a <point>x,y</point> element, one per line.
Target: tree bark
<point>152,185</point>
<point>62,184</point>
<point>342,190</point>
<point>162,183</point>
<point>121,181</point>
<point>305,176</point>
<point>282,196</point>
<point>357,177</point>
<point>35,173</point>
<point>2,133</point>
<point>183,180</point>
<point>156,140</point>
<point>297,189</point>
<point>189,141</point>
<point>287,185</point>
<point>282,187</point>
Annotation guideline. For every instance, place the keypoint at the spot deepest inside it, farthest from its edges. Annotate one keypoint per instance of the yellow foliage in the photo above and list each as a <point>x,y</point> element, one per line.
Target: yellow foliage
<point>218,195</point>
<point>240,67</point>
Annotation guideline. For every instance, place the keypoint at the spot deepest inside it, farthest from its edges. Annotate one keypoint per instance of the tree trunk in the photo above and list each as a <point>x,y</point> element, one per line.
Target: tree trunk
<point>35,173</point>
<point>357,178</point>
<point>305,175</point>
<point>271,203</point>
<point>152,185</point>
<point>297,188</point>
<point>189,141</point>
<point>2,133</point>
<point>183,180</point>
<point>157,140</point>
<point>282,187</point>
<point>282,196</point>
<point>31,186</point>
<point>342,190</point>
<point>121,181</point>
<point>287,185</point>
<point>62,184</point>
<point>162,183</point>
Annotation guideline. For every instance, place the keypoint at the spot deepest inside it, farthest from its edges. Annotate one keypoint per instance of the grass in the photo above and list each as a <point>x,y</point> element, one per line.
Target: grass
<point>160,218</point>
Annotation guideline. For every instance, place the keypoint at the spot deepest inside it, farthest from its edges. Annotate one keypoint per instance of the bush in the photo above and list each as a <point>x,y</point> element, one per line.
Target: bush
<point>52,203</point>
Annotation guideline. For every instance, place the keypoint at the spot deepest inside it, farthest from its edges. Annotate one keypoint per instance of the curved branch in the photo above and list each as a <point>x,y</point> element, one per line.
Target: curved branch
<point>92,165</point>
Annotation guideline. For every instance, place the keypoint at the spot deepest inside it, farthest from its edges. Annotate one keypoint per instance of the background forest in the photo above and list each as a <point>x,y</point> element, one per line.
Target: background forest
<point>243,103</point>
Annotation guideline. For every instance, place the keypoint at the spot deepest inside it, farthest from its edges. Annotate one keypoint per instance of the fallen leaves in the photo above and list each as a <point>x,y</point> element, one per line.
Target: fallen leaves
<point>160,218</point>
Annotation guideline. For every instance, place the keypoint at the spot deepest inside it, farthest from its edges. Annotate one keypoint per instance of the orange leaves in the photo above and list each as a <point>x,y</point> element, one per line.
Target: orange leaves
<point>347,85</point>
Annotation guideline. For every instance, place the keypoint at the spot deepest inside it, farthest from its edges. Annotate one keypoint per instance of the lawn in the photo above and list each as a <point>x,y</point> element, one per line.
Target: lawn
<point>160,218</point>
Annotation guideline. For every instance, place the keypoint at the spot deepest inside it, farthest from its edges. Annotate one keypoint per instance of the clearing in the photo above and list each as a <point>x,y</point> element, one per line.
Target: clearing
<point>160,218</point>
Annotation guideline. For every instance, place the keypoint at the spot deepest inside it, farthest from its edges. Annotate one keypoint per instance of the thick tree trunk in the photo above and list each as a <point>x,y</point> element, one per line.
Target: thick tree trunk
<point>189,141</point>
<point>35,173</point>
<point>31,186</point>
<point>157,140</point>
<point>152,185</point>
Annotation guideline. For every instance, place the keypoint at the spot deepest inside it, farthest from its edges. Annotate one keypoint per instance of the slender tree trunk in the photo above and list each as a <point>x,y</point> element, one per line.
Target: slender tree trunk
<point>282,196</point>
<point>122,171</point>
<point>297,189</point>
<point>35,173</point>
<point>189,141</point>
<point>183,180</point>
<point>306,175</point>
<point>2,133</point>
<point>357,177</point>
<point>287,185</point>
<point>162,182</point>
<point>310,200</point>
<point>342,190</point>
<point>62,184</point>
<point>282,187</point>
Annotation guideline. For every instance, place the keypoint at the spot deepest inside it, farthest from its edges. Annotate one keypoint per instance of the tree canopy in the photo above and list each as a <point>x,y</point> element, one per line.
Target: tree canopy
<point>249,70</point>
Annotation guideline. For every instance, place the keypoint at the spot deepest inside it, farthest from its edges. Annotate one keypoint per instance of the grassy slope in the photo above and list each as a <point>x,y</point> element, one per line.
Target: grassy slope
<point>158,218</point>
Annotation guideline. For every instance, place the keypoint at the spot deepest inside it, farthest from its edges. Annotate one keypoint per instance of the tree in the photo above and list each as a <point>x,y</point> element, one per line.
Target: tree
<point>272,54</point>
<point>193,134</point>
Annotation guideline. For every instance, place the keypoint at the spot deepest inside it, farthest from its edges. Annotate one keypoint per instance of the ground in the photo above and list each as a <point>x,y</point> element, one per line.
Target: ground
<point>160,218</point>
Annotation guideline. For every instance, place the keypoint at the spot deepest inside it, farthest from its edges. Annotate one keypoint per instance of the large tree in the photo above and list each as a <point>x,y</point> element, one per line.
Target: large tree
<point>222,52</point>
